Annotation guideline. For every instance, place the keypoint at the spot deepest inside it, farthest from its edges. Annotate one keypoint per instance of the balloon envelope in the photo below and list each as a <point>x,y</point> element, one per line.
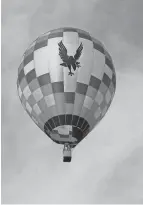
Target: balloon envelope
<point>66,82</point>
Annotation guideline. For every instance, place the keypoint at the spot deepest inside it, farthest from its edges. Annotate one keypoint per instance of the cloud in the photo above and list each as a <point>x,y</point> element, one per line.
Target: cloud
<point>125,183</point>
<point>122,17</point>
<point>40,174</point>
<point>126,57</point>
<point>15,35</point>
<point>32,168</point>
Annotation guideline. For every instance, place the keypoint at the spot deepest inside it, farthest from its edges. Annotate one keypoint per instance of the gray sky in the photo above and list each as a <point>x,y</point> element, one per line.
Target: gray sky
<point>107,167</point>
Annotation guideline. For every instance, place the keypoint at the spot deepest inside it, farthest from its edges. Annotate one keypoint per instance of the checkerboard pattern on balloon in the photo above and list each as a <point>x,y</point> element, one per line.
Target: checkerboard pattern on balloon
<point>52,97</point>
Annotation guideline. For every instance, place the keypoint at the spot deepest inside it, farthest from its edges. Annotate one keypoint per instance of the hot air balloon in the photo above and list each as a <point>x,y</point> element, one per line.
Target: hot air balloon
<point>66,83</point>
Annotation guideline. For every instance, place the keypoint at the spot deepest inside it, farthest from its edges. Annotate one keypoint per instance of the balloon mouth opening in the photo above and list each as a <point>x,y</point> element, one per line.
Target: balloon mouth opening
<point>71,133</point>
<point>67,134</point>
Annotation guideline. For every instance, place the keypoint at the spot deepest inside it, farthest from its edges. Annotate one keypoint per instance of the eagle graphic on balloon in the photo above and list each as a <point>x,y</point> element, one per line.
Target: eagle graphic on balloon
<point>70,61</point>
